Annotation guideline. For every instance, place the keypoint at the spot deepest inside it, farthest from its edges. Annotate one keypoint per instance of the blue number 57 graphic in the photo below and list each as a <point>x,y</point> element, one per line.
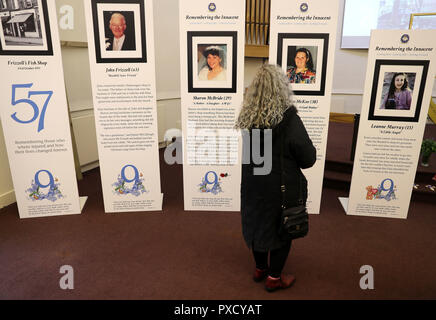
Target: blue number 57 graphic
<point>36,112</point>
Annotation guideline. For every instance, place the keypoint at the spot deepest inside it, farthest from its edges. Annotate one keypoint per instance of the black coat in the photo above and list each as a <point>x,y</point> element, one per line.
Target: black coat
<point>261,197</point>
<point>128,44</point>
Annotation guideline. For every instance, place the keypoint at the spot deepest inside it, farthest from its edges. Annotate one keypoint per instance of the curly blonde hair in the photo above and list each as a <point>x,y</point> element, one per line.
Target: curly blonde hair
<point>266,100</point>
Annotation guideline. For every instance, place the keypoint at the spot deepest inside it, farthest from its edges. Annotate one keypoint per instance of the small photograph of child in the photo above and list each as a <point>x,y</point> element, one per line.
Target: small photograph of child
<point>397,90</point>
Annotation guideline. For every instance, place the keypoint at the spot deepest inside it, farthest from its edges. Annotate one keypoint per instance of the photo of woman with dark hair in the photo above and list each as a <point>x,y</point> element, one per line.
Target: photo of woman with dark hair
<point>399,96</point>
<point>214,68</point>
<point>303,71</point>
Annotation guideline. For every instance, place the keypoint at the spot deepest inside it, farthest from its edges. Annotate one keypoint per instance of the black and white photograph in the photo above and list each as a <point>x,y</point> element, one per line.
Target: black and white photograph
<point>397,90</point>
<point>24,28</point>
<point>119,31</point>
<point>303,57</point>
<point>212,61</point>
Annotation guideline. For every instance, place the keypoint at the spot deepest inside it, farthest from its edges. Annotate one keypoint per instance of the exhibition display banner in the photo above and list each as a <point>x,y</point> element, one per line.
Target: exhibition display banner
<point>121,57</point>
<point>212,59</point>
<point>34,111</point>
<point>398,87</point>
<point>302,42</point>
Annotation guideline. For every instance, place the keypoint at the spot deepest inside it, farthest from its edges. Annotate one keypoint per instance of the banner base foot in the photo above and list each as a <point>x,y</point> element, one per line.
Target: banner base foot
<point>82,202</point>
<point>344,202</point>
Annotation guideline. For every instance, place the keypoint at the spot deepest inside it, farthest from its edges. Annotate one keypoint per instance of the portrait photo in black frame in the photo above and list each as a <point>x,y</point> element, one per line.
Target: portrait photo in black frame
<point>136,51</point>
<point>39,43</point>
<point>224,45</point>
<point>315,85</point>
<point>377,107</point>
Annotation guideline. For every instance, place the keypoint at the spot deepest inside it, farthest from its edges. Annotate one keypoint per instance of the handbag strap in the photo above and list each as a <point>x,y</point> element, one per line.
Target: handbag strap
<point>282,166</point>
<point>282,187</point>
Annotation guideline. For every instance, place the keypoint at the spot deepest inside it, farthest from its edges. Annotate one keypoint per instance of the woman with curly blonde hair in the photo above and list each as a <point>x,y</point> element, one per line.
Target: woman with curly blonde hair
<point>267,106</point>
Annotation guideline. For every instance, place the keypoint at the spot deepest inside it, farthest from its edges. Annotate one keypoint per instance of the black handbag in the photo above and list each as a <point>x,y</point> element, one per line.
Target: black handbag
<point>294,221</point>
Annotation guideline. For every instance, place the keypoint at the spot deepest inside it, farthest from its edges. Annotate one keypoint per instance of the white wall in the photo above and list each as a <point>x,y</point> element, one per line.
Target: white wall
<point>77,75</point>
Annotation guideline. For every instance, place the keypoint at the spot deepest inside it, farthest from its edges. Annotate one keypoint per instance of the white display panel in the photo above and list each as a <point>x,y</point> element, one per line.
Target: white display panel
<point>399,81</point>
<point>34,112</point>
<point>308,29</point>
<point>124,95</point>
<point>211,102</point>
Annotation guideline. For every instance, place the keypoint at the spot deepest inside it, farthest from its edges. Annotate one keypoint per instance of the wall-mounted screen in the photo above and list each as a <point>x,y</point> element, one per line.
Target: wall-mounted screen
<point>360,17</point>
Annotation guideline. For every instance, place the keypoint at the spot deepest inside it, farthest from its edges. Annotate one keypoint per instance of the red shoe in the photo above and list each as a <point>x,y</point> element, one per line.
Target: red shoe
<point>259,274</point>
<point>285,281</point>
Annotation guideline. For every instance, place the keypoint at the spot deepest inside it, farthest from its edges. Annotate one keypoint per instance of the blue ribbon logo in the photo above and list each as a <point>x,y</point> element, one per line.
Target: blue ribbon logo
<point>405,38</point>
<point>212,7</point>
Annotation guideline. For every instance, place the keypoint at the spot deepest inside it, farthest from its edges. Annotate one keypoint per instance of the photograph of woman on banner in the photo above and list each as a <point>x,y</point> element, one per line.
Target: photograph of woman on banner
<point>267,105</point>
<point>301,65</point>
<point>398,90</point>
<point>212,62</point>
<point>303,57</point>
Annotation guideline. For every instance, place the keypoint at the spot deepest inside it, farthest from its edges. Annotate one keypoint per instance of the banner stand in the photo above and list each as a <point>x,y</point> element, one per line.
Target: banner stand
<point>122,65</point>
<point>303,37</point>
<point>211,38</point>
<point>35,117</point>
<point>398,86</point>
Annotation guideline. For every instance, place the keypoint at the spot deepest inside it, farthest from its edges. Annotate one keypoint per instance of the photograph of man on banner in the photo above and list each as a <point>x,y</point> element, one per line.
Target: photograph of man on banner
<point>120,34</point>
<point>119,31</point>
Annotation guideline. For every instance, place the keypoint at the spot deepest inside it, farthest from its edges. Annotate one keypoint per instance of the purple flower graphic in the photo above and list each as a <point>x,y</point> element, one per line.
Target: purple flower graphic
<point>35,193</point>
<point>121,187</point>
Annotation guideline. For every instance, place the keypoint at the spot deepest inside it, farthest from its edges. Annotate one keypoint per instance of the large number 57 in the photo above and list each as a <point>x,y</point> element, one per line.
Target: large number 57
<point>31,103</point>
